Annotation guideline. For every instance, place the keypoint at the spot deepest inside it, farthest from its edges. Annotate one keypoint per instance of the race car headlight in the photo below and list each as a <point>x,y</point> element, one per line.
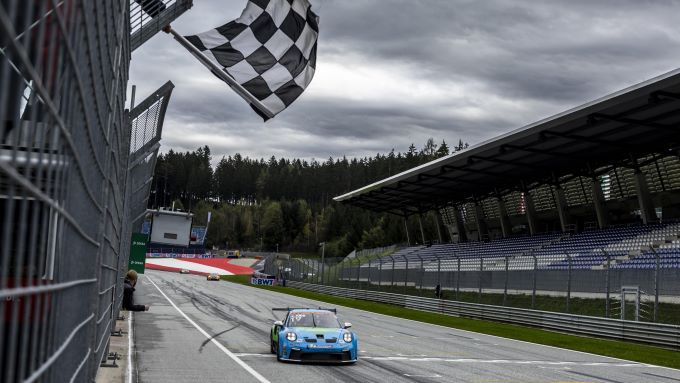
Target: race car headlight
<point>347,337</point>
<point>291,336</point>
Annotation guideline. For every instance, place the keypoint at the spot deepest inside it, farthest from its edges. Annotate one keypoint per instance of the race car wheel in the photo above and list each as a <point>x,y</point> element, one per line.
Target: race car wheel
<point>278,351</point>
<point>272,346</point>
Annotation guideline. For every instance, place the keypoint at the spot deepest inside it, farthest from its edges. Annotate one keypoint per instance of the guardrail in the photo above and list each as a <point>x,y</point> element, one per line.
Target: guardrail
<point>651,333</point>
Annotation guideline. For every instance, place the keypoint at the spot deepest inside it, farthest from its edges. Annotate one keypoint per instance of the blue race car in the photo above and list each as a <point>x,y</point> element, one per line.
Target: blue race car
<point>313,335</point>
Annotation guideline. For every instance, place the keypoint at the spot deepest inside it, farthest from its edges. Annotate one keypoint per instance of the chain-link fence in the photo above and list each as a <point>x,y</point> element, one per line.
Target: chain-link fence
<point>64,138</point>
<point>649,294</point>
<point>70,181</point>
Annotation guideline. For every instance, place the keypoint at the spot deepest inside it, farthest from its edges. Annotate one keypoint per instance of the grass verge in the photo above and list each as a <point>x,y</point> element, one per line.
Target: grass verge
<point>624,350</point>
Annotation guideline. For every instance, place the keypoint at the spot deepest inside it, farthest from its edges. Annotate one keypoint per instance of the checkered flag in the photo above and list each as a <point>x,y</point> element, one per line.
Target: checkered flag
<point>270,50</point>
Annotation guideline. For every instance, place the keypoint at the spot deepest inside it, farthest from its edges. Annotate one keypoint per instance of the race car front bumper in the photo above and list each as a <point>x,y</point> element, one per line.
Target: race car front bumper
<point>319,354</point>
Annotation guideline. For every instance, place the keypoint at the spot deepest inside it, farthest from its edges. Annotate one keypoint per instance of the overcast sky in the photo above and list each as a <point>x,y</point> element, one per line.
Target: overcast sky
<point>393,72</point>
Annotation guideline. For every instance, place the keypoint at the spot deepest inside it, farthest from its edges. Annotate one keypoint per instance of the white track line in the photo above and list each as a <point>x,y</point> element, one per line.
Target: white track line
<point>129,356</point>
<point>230,354</point>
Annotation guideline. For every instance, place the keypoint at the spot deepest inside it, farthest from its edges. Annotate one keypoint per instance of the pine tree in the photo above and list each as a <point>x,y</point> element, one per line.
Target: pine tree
<point>443,150</point>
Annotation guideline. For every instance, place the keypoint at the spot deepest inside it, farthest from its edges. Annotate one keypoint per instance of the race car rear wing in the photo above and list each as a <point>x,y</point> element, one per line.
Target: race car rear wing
<point>304,308</point>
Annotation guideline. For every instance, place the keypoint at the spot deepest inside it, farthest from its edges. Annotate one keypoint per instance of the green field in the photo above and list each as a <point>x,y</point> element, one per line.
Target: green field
<point>624,350</point>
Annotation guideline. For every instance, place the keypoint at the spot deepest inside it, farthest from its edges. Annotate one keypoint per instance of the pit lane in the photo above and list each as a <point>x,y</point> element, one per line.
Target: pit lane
<point>171,346</point>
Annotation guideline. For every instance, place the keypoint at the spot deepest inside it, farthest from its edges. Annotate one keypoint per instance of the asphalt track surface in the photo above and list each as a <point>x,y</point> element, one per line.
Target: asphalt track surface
<point>222,335</point>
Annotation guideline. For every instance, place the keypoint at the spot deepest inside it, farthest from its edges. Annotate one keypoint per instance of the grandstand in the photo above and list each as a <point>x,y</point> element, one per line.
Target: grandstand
<point>594,188</point>
<point>627,247</point>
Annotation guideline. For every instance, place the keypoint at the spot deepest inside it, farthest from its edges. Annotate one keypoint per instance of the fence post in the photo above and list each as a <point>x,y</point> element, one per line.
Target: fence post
<point>319,272</point>
<point>505,290</point>
<point>336,272</point>
<point>406,276</point>
<point>422,273</point>
<point>607,277</point>
<point>341,281</point>
<point>657,261</point>
<point>569,283</point>
<point>380,274</point>
<point>298,270</point>
<point>481,269</point>
<point>369,273</point>
<point>533,292</point>
<point>439,271</point>
<point>458,277</point>
<point>358,273</point>
<point>392,285</point>
<point>313,270</point>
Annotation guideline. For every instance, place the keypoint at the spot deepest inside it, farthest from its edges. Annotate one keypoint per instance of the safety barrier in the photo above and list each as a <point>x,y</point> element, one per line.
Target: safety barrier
<point>75,173</point>
<point>644,332</point>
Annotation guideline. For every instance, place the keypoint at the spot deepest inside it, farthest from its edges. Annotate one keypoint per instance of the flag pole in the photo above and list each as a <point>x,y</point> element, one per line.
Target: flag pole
<point>238,88</point>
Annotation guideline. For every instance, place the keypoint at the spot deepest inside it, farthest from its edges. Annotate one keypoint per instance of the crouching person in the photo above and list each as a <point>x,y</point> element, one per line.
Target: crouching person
<point>128,291</point>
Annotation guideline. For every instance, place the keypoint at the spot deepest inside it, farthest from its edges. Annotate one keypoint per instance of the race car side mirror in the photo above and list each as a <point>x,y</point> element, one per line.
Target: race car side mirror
<point>347,325</point>
<point>278,323</point>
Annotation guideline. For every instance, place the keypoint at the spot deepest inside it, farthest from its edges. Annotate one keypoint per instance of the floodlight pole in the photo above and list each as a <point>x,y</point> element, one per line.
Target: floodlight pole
<point>219,72</point>
<point>323,256</point>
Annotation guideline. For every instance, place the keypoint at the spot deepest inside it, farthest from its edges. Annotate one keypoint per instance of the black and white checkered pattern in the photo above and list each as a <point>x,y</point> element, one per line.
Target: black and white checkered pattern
<point>270,50</point>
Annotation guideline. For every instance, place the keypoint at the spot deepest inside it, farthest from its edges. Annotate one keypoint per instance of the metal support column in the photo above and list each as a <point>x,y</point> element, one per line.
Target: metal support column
<point>647,212</point>
<point>438,224</point>
<point>506,227</point>
<point>600,204</point>
<point>408,237</point>
<point>482,227</point>
<point>529,206</point>
<point>562,208</point>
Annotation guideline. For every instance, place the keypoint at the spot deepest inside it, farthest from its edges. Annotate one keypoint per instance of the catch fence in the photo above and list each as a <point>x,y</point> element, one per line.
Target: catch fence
<point>70,183</point>
<point>650,294</point>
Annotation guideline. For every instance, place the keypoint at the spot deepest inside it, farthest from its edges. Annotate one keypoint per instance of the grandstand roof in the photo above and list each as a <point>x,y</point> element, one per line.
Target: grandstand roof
<point>614,130</point>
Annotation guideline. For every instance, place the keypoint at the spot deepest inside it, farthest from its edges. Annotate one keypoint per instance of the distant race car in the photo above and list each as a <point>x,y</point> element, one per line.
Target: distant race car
<point>313,335</point>
<point>184,271</point>
<point>213,277</point>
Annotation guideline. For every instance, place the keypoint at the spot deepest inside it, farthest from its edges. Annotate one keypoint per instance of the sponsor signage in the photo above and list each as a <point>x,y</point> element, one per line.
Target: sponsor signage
<point>138,252</point>
<point>262,281</point>
<point>155,254</point>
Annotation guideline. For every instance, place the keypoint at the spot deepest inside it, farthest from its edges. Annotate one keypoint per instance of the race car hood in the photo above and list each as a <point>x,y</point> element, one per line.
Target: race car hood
<point>313,332</point>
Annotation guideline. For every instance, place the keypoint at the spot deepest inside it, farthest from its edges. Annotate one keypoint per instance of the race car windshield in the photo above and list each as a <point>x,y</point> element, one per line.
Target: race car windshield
<point>313,319</point>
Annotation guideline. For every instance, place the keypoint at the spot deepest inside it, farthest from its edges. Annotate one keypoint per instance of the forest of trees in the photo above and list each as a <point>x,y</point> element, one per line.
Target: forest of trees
<point>286,204</point>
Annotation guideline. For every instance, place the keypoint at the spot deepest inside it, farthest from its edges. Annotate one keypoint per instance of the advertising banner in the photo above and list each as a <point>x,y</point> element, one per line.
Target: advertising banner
<point>263,281</point>
<point>138,252</point>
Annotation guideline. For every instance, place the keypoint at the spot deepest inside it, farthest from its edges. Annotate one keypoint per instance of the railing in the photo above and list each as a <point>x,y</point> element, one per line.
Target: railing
<point>644,332</point>
<point>148,17</point>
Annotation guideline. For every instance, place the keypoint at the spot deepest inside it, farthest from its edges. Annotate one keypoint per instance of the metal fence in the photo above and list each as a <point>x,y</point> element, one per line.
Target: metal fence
<point>146,121</point>
<point>64,136</point>
<point>66,196</point>
<point>650,333</point>
<point>651,295</point>
<point>147,17</point>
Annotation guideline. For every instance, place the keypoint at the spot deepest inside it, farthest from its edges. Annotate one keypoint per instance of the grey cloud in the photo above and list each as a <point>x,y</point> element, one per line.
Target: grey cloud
<point>516,61</point>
